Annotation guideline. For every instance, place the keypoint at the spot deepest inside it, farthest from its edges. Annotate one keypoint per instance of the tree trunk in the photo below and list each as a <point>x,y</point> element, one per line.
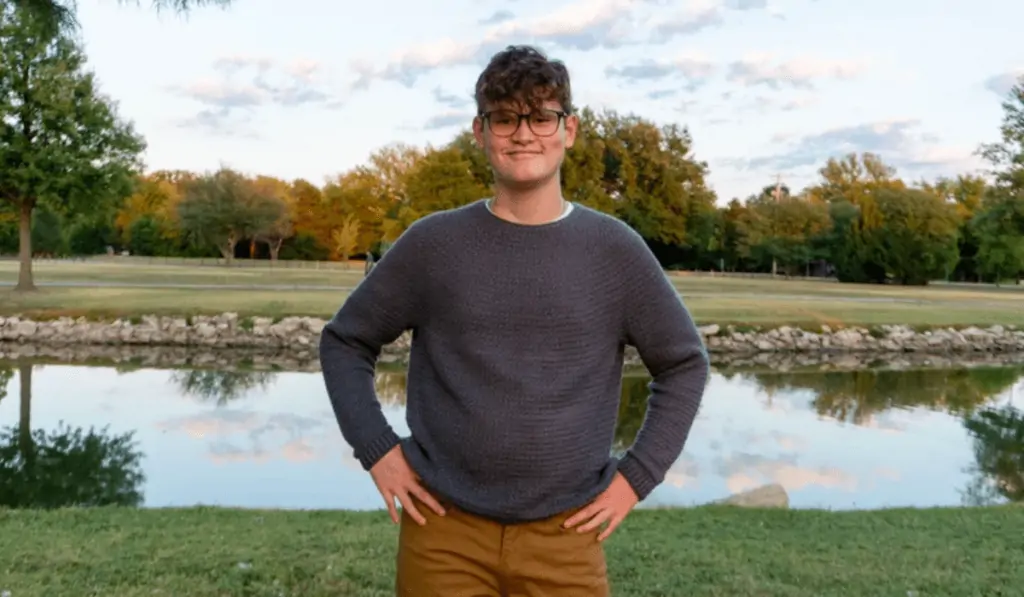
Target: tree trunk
<point>25,422</point>
<point>227,250</point>
<point>25,283</point>
<point>275,248</point>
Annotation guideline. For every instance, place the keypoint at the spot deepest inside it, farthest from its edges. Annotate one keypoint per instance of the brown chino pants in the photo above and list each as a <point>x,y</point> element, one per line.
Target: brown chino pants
<point>463,555</point>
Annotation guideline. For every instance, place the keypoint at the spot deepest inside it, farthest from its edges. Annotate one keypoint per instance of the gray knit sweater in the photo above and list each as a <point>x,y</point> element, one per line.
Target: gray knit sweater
<point>515,368</point>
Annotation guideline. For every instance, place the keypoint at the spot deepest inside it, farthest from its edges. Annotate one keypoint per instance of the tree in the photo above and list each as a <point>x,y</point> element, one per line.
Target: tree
<point>999,228</point>
<point>155,202</point>
<point>781,230</point>
<point>58,15</point>
<point>999,224</point>
<point>917,240</point>
<point>965,193</point>
<point>274,234</point>
<point>61,142</point>
<point>346,238</point>
<point>1007,154</point>
<point>222,208</point>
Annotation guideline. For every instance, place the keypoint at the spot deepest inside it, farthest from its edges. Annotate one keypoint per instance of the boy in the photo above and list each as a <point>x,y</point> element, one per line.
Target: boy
<point>520,308</point>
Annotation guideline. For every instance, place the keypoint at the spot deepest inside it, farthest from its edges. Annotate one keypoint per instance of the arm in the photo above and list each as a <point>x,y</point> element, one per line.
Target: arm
<point>669,344</point>
<point>384,304</point>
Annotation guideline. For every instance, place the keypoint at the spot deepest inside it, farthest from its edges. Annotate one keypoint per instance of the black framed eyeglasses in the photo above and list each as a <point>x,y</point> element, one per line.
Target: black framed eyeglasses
<point>505,123</point>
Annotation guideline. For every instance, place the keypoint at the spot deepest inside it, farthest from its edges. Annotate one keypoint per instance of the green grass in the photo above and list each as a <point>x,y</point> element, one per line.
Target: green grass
<point>762,310</point>
<point>707,551</point>
<point>755,301</point>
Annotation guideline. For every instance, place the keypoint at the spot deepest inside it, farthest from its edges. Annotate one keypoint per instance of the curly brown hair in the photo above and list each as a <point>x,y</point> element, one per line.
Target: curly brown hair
<point>526,74</point>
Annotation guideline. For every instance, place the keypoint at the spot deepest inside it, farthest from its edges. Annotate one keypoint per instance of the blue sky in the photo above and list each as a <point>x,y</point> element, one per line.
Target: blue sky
<point>309,88</point>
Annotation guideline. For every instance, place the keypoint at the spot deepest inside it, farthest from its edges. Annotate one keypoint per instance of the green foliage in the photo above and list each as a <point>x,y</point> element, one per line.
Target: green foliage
<point>148,237</point>
<point>1007,154</point>
<point>917,240</point>
<point>48,234</point>
<point>62,142</point>
<point>999,228</point>
<point>90,235</point>
<point>60,15</point>
<point>222,208</point>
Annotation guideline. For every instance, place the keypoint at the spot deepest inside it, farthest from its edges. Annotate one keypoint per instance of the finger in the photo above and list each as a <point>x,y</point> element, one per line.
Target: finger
<point>389,499</point>
<point>409,506</point>
<point>612,525</point>
<point>582,515</point>
<point>424,496</point>
<point>596,521</point>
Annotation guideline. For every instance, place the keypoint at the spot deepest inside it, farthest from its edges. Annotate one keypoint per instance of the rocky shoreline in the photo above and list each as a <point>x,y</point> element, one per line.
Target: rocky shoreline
<point>305,359</point>
<point>301,334</point>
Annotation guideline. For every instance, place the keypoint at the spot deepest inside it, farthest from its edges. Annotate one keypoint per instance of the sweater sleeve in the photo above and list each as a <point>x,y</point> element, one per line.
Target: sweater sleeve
<point>385,304</point>
<point>660,327</point>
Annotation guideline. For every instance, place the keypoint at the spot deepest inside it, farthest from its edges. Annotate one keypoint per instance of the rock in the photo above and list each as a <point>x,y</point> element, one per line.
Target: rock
<point>301,333</point>
<point>766,496</point>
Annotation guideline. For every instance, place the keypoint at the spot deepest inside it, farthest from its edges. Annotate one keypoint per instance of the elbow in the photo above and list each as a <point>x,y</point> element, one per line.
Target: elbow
<point>342,345</point>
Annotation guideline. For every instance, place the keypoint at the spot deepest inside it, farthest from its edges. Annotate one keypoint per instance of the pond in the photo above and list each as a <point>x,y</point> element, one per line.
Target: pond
<point>157,437</point>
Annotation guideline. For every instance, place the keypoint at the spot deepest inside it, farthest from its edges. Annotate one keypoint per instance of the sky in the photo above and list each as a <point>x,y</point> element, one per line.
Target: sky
<point>767,88</point>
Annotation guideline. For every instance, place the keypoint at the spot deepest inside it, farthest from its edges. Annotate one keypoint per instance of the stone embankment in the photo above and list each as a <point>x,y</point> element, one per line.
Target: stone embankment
<point>307,360</point>
<point>302,333</point>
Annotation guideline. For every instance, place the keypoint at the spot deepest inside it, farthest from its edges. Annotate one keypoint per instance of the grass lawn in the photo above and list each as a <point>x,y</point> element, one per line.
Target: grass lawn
<point>755,301</point>
<point>707,551</point>
<point>764,309</point>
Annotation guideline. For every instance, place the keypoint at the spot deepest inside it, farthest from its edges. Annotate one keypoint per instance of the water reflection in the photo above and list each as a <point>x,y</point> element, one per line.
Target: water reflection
<point>220,387</point>
<point>999,450</point>
<point>858,396</point>
<point>853,439</point>
<point>65,466</point>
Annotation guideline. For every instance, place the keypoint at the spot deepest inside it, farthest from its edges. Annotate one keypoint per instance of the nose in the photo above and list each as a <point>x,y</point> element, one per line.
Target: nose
<point>523,134</point>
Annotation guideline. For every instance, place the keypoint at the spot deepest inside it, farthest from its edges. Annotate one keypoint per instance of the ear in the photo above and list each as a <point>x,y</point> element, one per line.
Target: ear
<point>478,131</point>
<point>572,123</point>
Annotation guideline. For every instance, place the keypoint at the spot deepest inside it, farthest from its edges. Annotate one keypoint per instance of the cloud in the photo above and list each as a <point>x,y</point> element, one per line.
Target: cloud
<point>243,85</point>
<point>800,73</point>
<point>1002,83</point>
<point>500,16</point>
<point>900,143</point>
<point>687,22</point>
<point>698,16</point>
<point>657,94</point>
<point>448,120</point>
<point>450,100</point>
<point>583,25</point>
<point>694,72</point>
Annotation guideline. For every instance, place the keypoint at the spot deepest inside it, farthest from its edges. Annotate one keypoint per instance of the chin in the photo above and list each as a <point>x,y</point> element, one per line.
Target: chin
<point>525,177</point>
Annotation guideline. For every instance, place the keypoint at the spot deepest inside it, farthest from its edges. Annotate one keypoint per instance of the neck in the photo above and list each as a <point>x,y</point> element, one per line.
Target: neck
<point>538,205</point>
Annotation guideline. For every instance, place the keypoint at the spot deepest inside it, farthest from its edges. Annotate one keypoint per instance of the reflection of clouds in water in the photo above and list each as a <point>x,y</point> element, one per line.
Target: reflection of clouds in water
<point>743,471</point>
<point>770,438</point>
<point>884,422</point>
<point>304,438</point>
<point>685,472</point>
<point>888,473</point>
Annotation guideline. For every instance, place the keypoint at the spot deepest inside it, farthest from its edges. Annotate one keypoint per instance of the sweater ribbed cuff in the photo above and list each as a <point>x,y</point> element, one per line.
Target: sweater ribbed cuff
<point>375,450</point>
<point>639,479</point>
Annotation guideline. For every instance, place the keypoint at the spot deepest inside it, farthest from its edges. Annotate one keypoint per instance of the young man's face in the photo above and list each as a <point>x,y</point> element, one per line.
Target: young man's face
<point>534,152</point>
